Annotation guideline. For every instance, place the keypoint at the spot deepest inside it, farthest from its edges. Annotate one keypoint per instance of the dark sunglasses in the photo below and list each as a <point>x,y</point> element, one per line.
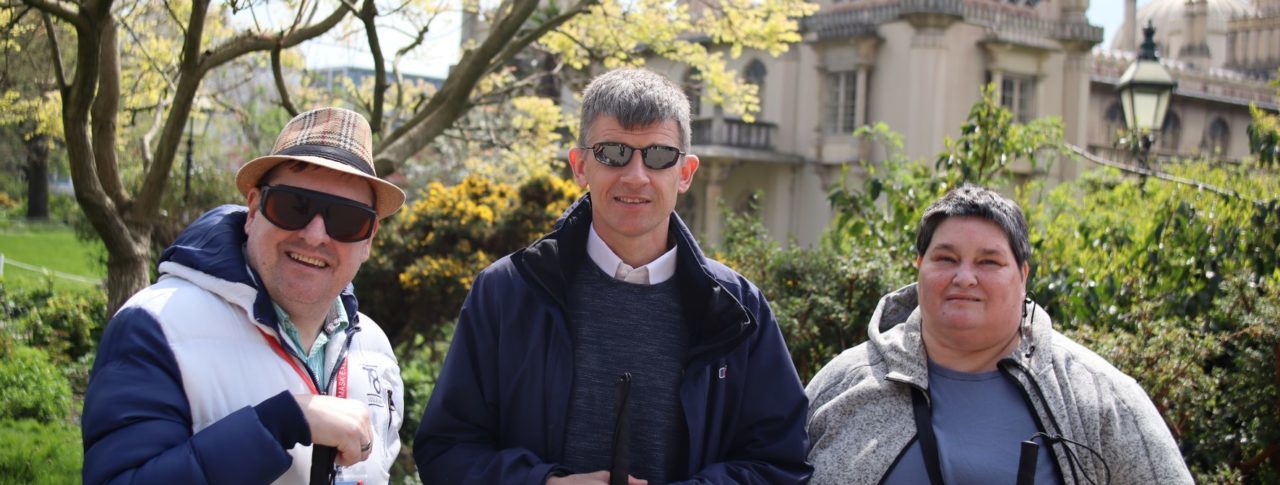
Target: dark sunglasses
<point>656,157</point>
<point>292,208</point>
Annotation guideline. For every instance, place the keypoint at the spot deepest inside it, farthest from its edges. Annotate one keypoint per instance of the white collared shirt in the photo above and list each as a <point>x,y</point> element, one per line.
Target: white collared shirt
<point>657,271</point>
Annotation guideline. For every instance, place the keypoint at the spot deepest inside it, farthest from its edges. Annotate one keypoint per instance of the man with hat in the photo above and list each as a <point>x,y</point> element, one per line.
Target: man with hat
<point>247,361</point>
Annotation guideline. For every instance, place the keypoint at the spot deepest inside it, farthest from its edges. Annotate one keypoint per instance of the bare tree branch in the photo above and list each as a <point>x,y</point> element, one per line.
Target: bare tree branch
<point>157,120</point>
<point>55,56</point>
<point>8,29</point>
<point>278,73</point>
<point>192,69</point>
<point>247,43</point>
<point>168,7</point>
<point>1162,176</point>
<point>106,106</point>
<point>63,10</point>
<point>152,63</point>
<point>449,103</point>
<point>532,35</point>
<point>368,13</point>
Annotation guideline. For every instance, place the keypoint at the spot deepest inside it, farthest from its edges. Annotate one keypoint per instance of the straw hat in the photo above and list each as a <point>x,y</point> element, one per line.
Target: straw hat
<point>334,138</point>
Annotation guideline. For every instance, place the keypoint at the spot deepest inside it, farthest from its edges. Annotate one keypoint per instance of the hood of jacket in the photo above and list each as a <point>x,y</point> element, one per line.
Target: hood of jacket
<point>210,254</point>
<point>716,317</point>
<point>894,334</point>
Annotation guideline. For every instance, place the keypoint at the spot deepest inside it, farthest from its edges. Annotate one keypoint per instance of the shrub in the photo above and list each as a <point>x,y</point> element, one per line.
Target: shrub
<point>39,452</point>
<point>34,387</point>
<point>425,257</point>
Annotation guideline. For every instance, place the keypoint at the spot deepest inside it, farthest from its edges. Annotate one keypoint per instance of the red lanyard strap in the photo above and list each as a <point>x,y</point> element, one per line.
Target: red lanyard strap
<point>275,345</point>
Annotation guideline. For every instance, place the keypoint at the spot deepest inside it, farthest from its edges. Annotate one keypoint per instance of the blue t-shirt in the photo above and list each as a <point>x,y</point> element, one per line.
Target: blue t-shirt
<point>980,420</point>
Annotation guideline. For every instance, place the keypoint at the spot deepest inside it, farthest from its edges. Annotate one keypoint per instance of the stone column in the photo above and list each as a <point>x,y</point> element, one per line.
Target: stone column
<point>928,79</point>
<point>1129,38</point>
<point>718,172</point>
<point>997,78</point>
<point>867,47</point>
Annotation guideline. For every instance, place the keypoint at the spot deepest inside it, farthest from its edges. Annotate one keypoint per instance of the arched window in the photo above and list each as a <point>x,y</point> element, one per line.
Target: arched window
<point>1217,137</point>
<point>755,74</point>
<point>1113,123</point>
<point>693,90</point>
<point>1171,132</point>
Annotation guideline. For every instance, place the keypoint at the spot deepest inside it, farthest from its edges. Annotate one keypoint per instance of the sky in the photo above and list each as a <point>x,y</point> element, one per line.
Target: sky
<point>1108,14</point>
<point>441,51</point>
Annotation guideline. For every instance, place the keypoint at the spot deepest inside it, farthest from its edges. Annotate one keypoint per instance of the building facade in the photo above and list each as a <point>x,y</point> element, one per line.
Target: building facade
<point>919,65</point>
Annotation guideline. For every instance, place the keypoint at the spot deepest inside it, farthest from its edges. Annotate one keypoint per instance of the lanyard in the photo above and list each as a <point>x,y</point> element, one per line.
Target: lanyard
<point>924,431</point>
<point>322,457</point>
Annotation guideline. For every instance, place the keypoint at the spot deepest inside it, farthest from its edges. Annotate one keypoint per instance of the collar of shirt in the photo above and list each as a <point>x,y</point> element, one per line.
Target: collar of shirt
<point>657,271</point>
<point>314,357</point>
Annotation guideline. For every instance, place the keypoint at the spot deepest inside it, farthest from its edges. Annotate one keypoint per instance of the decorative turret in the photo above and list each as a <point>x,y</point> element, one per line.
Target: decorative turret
<point>1195,47</point>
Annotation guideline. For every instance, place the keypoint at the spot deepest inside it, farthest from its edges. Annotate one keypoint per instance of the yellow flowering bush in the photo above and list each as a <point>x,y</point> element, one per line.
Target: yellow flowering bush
<point>426,257</point>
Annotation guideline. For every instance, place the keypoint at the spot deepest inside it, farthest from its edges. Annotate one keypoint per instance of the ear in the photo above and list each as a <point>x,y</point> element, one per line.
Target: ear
<point>251,200</point>
<point>367,246</point>
<point>920,259</point>
<point>577,162</point>
<point>1026,270</point>
<point>687,169</point>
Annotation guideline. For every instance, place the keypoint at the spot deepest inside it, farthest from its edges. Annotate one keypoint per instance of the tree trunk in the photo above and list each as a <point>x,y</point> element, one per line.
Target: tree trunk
<point>128,272</point>
<point>38,178</point>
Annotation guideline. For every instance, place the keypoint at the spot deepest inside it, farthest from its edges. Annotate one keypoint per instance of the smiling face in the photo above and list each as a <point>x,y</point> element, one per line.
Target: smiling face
<point>631,206</point>
<point>305,269</point>
<point>971,287</point>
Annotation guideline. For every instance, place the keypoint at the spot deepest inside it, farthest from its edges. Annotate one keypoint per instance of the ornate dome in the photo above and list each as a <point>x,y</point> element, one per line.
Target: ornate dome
<point>1170,21</point>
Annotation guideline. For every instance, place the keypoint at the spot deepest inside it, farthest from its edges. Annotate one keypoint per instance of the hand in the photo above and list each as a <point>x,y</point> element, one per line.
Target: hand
<point>341,423</point>
<point>597,478</point>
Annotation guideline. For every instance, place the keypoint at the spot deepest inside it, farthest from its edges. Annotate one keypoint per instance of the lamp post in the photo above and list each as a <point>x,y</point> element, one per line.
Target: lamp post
<point>1145,89</point>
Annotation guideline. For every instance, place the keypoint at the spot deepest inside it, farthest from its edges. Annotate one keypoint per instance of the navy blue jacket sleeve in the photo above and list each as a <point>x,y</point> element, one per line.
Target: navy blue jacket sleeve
<point>458,440</point>
<point>137,425</point>
<point>770,443</point>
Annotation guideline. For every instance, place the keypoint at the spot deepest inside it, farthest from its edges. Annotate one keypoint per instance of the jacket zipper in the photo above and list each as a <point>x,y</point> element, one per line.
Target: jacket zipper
<point>342,357</point>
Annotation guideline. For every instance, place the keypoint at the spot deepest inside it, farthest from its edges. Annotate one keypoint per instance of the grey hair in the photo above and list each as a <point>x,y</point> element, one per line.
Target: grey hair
<point>636,98</point>
<point>974,201</point>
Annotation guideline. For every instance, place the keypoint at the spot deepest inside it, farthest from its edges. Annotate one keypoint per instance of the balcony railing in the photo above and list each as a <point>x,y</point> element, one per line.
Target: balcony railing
<point>732,132</point>
<point>1006,21</point>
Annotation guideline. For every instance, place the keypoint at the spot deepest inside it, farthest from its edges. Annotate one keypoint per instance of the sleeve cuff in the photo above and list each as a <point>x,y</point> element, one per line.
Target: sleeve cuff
<point>283,418</point>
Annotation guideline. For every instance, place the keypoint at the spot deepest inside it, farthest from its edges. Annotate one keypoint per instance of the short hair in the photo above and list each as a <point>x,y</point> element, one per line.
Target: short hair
<point>973,201</point>
<point>636,98</point>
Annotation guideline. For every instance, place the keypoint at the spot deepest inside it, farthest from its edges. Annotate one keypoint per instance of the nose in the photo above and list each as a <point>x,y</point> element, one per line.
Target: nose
<point>635,173</point>
<point>314,233</point>
<point>965,276</point>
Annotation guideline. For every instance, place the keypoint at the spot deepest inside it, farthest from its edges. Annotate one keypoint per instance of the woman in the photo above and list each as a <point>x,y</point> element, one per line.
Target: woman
<point>964,356</point>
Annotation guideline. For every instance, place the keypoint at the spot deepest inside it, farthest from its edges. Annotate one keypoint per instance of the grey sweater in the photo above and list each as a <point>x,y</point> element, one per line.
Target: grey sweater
<point>639,329</point>
<point>860,416</point>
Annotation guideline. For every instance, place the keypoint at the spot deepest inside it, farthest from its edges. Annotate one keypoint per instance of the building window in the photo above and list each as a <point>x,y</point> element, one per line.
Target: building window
<point>842,88</point>
<point>1018,95</point>
<point>693,90</point>
<point>1113,123</point>
<point>755,74</point>
<point>1217,137</point>
<point>1171,132</point>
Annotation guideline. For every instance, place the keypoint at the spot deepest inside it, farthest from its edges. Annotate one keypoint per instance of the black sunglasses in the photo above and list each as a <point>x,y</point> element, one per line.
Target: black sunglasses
<point>616,154</point>
<point>292,208</point>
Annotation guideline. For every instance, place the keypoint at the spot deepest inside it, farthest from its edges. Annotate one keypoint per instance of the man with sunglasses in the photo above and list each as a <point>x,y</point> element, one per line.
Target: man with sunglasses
<point>247,361</point>
<point>612,350</point>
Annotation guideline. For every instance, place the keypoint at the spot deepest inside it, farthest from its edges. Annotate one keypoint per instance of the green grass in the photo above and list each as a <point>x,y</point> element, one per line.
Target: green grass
<point>49,246</point>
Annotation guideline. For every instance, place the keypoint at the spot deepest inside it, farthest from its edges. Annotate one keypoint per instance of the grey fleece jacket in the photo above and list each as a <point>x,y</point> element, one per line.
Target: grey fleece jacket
<point>860,417</point>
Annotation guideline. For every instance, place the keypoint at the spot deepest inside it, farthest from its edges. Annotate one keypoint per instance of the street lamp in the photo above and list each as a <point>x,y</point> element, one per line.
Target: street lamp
<point>1145,89</point>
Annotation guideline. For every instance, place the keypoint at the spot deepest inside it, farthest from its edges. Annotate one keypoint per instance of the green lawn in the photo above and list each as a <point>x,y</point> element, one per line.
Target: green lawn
<point>48,246</point>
